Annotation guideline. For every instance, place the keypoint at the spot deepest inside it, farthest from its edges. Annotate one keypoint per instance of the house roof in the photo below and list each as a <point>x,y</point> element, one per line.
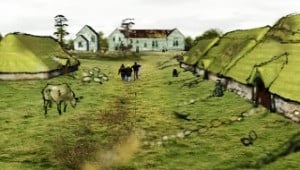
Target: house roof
<point>275,60</point>
<point>89,27</point>
<point>29,53</point>
<point>199,50</point>
<point>81,37</point>
<point>151,33</point>
<point>230,48</point>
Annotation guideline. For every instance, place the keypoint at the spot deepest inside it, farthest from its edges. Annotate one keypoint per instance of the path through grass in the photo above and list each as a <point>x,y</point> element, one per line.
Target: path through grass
<point>133,125</point>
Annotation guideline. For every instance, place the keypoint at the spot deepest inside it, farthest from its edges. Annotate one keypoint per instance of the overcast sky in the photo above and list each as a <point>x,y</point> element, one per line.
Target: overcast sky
<point>191,17</point>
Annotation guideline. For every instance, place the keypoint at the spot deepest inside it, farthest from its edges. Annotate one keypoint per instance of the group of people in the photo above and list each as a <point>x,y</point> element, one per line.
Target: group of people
<point>126,72</point>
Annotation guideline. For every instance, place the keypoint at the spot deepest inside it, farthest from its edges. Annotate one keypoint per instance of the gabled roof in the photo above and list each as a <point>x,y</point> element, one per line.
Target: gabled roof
<point>275,60</point>
<point>145,33</point>
<point>230,48</point>
<point>82,38</point>
<point>88,27</point>
<point>199,50</point>
<point>29,53</point>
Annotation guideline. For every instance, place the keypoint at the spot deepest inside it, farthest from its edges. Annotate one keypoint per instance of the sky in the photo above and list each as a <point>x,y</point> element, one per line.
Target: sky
<point>191,17</point>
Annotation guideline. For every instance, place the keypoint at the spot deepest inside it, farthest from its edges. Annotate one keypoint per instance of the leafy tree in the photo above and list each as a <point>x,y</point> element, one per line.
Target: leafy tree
<point>103,41</point>
<point>1,37</point>
<point>60,25</point>
<point>211,33</point>
<point>70,44</point>
<point>188,41</point>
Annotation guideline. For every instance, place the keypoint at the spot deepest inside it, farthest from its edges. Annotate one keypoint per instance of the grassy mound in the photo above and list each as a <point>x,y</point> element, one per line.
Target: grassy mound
<point>28,53</point>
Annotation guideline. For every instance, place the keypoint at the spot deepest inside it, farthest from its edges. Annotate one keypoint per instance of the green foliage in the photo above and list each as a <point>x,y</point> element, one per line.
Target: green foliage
<point>70,44</point>
<point>103,42</point>
<point>60,25</point>
<point>209,34</point>
<point>188,41</point>
<point>1,37</point>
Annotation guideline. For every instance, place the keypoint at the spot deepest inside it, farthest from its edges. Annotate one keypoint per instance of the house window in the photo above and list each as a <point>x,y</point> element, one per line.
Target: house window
<point>93,38</point>
<point>175,43</point>
<point>131,41</point>
<point>120,39</point>
<point>80,44</point>
<point>114,39</point>
<point>137,41</point>
<point>145,45</point>
<point>154,43</point>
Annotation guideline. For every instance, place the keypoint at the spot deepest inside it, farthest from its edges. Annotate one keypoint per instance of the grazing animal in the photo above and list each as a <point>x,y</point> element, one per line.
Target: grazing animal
<point>58,93</point>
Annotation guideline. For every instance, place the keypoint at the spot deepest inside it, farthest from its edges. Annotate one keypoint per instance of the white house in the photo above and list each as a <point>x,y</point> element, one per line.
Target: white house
<point>86,40</point>
<point>147,40</point>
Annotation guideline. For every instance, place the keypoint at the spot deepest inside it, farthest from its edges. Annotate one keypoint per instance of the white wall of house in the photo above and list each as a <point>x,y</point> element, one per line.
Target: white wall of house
<point>148,44</point>
<point>80,44</point>
<point>115,39</point>
<point>91,37</point>
<point>175,41</point>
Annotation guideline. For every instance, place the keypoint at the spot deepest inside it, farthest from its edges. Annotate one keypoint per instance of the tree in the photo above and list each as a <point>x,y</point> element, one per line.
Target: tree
<point>70,44</point>
<point>211,33</point>
<point>188,41</point>
<point>103,41</point>
<point>60,25</point>
<point>126,25</point>
<point>1,37</point>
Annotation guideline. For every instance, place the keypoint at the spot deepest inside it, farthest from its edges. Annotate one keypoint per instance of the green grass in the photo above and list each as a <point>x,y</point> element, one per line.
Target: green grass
<point>121,125</point>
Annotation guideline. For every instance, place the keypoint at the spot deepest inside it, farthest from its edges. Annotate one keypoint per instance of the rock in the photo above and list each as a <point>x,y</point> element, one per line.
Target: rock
<point>188,132</point>
<point>180,135</point>
<point>192,101</point>
<point>165,137</point>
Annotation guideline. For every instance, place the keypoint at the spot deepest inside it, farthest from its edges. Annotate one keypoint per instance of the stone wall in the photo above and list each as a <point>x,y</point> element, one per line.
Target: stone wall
<point>289,109</point>
<point>240,89</point>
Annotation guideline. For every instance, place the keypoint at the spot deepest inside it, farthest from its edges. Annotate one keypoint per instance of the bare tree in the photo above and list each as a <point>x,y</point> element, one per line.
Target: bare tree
<point>126,25</point>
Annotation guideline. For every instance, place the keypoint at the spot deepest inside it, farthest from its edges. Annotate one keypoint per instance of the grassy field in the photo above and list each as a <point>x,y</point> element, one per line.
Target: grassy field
<point>156,123</point>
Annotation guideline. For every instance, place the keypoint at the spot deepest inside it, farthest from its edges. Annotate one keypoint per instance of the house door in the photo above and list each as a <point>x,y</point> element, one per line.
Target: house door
<point>262,94</point>
<point>137,49</point>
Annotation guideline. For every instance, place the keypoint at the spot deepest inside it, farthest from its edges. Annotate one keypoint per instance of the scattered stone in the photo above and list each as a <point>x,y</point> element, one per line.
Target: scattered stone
<point>192,101</point>
<point>165,138</point>
<point>188,132</point>
<point>180,135</point>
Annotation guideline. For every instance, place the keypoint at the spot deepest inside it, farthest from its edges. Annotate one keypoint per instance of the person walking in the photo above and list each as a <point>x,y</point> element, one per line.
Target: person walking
<point>122,71</point>
<point>128,72</point>
<point>136,68</point>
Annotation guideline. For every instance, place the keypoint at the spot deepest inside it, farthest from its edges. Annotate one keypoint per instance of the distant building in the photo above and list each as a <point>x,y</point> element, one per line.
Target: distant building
<point>87,40</point>
<point>147,40</point>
